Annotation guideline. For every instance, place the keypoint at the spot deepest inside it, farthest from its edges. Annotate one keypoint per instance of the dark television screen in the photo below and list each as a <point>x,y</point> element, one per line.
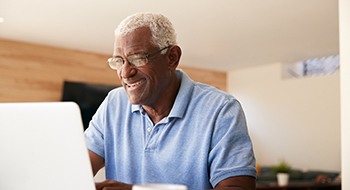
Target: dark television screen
<point>88,96</point>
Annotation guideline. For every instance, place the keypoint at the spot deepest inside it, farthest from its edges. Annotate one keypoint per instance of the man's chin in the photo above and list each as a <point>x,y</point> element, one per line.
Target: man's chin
<point>134,99</point>
<point>138,96</point>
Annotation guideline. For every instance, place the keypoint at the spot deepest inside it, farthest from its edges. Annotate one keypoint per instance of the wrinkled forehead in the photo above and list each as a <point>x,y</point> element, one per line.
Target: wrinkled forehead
<point>139,38</point>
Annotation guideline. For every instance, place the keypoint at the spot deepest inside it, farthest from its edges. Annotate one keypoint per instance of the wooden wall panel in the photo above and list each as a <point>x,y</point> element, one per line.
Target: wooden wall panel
<point>31,72</point>
<point>214,78</point>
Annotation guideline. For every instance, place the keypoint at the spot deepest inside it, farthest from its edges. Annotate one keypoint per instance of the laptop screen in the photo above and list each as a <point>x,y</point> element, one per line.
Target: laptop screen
<point>42,146</point>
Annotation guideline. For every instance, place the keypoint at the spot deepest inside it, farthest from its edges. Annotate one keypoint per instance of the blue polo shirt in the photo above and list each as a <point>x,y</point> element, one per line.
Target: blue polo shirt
<point>202,141</point>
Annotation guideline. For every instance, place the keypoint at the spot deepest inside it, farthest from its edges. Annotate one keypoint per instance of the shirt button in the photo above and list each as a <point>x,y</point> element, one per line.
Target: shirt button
<point>149,129</point>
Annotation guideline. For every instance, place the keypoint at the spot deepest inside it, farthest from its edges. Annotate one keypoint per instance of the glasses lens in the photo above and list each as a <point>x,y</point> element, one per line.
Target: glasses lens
<point>115,63</point>
<point>138,60</point>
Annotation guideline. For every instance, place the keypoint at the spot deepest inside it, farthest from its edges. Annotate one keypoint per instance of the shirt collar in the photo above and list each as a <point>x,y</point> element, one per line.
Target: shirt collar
<point>183,96</point>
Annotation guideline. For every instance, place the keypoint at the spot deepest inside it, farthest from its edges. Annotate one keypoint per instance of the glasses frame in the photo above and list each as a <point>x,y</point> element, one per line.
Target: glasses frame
<point>114,65</point>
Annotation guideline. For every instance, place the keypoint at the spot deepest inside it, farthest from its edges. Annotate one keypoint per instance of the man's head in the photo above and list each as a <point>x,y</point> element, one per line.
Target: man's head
<point>145,57</point>
<point>163,32</point>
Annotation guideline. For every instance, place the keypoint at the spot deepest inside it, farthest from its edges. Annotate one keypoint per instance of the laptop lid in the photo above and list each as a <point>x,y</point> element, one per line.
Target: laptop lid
<point>42,146</point>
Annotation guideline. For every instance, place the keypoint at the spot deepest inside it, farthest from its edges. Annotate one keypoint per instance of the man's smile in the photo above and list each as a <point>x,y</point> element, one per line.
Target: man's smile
<point>135,84</point>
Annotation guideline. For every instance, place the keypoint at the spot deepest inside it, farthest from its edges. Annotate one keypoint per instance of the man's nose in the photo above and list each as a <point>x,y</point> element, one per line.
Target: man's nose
<point>128,70</point>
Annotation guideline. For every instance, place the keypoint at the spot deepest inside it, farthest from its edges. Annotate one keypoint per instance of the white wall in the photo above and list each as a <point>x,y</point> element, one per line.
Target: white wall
<point>293,119</point>
<point>344,23</point>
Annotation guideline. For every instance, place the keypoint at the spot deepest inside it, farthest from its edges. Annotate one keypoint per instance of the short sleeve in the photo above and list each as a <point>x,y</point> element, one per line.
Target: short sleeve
<point>231,151</point>
<point>94,134</point>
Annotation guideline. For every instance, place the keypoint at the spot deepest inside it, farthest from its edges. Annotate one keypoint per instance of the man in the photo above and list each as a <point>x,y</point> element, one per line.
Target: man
<point>162,127</point>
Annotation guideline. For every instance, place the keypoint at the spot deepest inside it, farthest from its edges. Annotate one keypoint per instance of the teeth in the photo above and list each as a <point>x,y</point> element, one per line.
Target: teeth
<point>134,84</point>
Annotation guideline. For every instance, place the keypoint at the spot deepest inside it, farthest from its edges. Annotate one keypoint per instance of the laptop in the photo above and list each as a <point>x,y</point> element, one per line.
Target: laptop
<point>42,146</point>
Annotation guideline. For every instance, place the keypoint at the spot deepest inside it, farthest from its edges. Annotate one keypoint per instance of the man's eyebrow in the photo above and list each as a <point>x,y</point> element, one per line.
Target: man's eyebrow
<point>118,54</point>
<point>138,53</point>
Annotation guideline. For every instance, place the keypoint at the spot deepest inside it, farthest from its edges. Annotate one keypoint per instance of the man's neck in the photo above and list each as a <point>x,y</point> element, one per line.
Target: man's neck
<point>162,108</point>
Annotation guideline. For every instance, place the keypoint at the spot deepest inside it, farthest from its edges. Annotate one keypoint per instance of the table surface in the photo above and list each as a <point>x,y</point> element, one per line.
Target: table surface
<point>298,185</point>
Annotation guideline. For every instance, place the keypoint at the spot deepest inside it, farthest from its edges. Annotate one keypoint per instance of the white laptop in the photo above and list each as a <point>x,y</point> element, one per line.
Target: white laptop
<point>42,146</point>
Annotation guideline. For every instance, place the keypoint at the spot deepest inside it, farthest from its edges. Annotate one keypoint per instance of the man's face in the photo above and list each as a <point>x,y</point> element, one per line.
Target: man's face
<point>146,84</point>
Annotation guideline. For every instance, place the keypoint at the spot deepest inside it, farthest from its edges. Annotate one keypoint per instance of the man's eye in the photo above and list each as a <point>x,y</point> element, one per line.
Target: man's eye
<point>139,61</point>
<point>119,60</point>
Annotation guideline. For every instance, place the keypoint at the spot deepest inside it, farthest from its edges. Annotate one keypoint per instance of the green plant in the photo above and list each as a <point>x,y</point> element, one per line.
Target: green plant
<point>282,167</point>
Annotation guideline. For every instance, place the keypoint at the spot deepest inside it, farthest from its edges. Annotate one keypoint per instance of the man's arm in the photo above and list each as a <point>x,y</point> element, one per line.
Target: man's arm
<point>97,162</point>
<point>239,183</point>
<point>232,183</point>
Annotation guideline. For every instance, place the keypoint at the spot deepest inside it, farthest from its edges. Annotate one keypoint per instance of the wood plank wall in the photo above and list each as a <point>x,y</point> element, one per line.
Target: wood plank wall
<point>32,72</point>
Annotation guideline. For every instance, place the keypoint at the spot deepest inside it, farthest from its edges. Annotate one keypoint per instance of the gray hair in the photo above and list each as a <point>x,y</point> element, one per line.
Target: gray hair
<point>163,32</point>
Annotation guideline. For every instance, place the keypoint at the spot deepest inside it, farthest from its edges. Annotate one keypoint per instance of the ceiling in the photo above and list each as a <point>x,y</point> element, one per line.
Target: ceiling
<point>215,34</point>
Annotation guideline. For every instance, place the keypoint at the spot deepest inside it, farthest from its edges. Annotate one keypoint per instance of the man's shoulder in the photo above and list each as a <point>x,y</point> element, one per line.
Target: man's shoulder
<point>208,91</point>
<point>118,92</point>
<point>117,98</point>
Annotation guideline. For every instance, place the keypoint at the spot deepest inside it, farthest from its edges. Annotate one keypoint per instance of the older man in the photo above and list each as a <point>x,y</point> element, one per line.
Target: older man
<point>162,127</point>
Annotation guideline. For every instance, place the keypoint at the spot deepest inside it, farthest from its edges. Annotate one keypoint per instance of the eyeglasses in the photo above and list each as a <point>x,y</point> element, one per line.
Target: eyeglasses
<point>136,60</point>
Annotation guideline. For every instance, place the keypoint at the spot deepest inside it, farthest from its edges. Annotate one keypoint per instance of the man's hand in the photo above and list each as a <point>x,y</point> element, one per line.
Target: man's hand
<point>112,185</point>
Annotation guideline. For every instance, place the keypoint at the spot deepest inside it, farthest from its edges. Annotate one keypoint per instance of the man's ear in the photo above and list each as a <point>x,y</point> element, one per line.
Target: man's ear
<point>174,55</point>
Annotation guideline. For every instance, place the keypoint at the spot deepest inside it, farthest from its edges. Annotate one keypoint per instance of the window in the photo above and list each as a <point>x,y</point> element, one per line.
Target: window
<point>312,67</point>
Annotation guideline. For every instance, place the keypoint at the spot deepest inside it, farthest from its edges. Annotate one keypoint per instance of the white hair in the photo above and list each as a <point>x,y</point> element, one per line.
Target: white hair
<point>163,32</point>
